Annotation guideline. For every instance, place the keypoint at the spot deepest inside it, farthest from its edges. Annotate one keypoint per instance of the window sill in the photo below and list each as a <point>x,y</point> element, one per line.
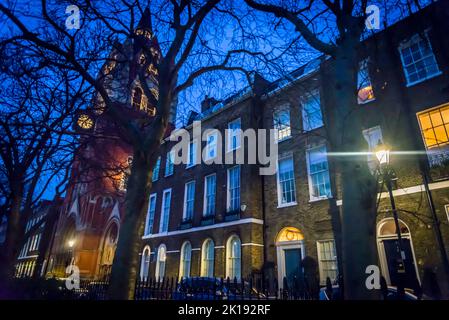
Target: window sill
<point>319,199</point>
<point>190,166</point>
<point>313,129</point>
<point>361,103</point>
<point>286,205</point>
<point>165,176</point>
<point>207,220</point>
<point>411,84</point>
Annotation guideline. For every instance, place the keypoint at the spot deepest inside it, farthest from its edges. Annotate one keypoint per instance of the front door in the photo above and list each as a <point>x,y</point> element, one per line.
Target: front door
<point>293,270</point>
<point>393,255</point>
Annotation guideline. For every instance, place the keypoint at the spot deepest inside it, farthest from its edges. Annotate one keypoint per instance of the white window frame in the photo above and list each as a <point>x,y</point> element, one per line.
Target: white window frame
<point>207,263</point>
<point>234,133</point>
<point>309,176</point>
<point>145,263</point>
<point>214,145</point>
<point>446,208</point>
<point>205,201</point>
<point>184,212</point>
<point>183,266</point>
<point>373,163</point>
<point>323,277</point>
<point>228,189</point>
<point>162,220</point>
<point>304,99</point>
<point>231,274</point>
<point>193,145</point>
<point>170,155</point>
<point>408,43</point>
<point>284,108</point>
<point>278,182</point>
<point>147,229</point>
<point>160,274</point>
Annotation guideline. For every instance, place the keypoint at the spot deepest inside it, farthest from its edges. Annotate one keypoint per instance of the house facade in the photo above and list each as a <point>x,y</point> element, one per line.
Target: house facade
<point>196,227</point>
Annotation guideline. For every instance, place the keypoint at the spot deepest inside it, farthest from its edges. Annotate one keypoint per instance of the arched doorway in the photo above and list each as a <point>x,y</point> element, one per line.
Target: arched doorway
<point>108,250</point>
<point>390,256</point>
<point>290,252</point>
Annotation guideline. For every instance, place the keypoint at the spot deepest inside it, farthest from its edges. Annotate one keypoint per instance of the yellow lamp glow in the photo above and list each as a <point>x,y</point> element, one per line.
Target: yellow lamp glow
<point>382,153</point>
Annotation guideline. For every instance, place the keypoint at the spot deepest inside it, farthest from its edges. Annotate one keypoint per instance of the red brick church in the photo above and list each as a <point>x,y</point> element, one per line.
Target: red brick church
<point>93,211</point>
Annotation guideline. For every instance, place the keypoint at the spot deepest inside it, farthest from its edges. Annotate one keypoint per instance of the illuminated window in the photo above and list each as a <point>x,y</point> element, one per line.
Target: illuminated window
<point>434,125</point>
<point>365,88</point>
<point>137,99</point>
<point>156,169</point>
<point>286,181</point>
<point>327,260</point>
<point>318,169</point>
<point>189,200</point>
<point>207,258</point>
<point>418,60</point>
<point>160,262</point>
<point>311,112</point>
<point>145,263</point>
<point>281,119</point>
<point>150,214</point>
<point>186,255</point>
<point>233,258</point>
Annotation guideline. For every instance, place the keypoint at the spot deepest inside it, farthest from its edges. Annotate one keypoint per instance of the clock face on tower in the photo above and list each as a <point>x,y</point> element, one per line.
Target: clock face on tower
<point>85,122</point>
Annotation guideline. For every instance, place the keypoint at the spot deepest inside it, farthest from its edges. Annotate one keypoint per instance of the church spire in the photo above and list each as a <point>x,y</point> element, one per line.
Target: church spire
<point>145,22</point>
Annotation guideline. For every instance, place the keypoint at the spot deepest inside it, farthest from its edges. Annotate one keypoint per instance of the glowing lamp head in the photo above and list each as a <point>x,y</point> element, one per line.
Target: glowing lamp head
<point>382,153</point>
<point>71,243</point>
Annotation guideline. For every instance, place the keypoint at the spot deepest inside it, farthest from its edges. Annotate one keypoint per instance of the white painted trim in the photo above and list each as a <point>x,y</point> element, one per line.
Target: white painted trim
<point>446,208</point>
<point>219,247</point>
<point>173,251</point>
<point>196,249</point>
<point>411,190</point>
<point>285,156</point>
<point>214,226</point>
<point>252,244</point>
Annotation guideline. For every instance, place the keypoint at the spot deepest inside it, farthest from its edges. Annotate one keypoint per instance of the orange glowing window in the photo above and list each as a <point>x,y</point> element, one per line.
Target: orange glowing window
<point>365,93</point>
<point>435,127</point>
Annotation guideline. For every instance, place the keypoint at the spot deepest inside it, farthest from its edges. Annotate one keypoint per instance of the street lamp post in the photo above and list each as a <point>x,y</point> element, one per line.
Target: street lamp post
<point>388,175</point>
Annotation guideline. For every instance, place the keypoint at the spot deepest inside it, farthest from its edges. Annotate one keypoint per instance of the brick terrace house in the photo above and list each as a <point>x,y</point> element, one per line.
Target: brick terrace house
<point>228,221</point>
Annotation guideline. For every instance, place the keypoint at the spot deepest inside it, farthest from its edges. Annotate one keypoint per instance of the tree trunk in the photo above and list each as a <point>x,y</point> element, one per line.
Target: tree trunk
<point>126,259</point>
<point>358,185</point>
<point>13,236</point>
